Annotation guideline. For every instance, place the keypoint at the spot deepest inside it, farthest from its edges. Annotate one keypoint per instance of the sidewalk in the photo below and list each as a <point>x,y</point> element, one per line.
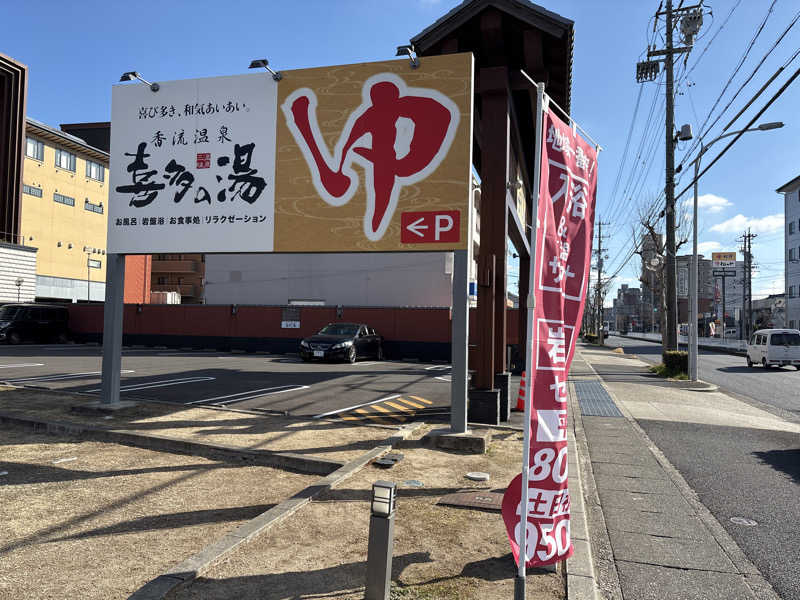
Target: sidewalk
<point>651,537</point>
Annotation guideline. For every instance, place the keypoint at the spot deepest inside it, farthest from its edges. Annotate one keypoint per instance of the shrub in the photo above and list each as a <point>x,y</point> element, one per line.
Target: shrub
<point>676,361</point>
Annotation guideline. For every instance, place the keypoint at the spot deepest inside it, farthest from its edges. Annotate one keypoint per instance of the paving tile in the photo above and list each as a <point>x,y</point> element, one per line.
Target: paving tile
<point>649,582</point>
<point>672,504</point>
<point>634,484</point>
<point>643,472</point>
<point>669,552</point>
<point>634,521</point>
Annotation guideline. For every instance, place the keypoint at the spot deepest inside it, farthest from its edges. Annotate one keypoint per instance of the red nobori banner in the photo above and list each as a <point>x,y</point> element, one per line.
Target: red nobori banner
<point>561,276</point>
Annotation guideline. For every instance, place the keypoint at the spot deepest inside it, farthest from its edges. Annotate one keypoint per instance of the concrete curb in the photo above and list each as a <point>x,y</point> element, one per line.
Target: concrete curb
<point>751,576</point>
<point>281,460</point>
<point>191,568</point>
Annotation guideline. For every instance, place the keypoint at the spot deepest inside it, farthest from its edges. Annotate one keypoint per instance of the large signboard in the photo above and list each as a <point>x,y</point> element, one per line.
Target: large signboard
<point>366,157</point>
<point>723,259</point>
<point>563,257</point>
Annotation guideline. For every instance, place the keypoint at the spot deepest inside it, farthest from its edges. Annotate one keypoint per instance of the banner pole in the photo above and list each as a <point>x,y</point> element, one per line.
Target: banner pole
<point>519,587</point>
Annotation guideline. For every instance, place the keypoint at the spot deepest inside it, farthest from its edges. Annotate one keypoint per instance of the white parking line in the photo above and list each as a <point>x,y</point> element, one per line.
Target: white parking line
<point>364,364</point>
<point>341,410</point>
<point>250,394</point>
<point>438,368</point>
<point>63,377</point>
<point>446,378</point>
<point>20,365</point>
<point>157,384</point>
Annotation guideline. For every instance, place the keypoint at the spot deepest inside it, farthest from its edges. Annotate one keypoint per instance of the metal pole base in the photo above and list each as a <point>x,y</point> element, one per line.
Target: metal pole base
<point>519,588</point>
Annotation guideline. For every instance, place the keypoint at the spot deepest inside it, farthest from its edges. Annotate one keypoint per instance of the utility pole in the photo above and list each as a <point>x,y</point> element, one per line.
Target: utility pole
<point>747,291</point>
<point>599,288</point>
<point>691,20</point>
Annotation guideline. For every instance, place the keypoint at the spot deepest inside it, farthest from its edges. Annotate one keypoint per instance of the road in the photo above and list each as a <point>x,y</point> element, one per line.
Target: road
<point>380,391</point>
<point>776,389</point>
<point>737,472</point>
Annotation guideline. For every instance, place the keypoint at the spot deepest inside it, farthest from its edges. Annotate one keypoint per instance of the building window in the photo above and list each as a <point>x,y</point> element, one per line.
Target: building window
<point>34,149</point>
<point>94,264</point>
<point>60,198</point>
<point>791,253</point>
<point>65,160</point>
<point>95,171</point>
<point>97,208</point>
<point>162,281</point>
<point>791,227</point>
<point>791,324</point>
<point>33,191</point>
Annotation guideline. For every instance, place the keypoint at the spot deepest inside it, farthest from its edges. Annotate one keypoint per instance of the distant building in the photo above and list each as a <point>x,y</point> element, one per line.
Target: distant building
<point>791,254</point>
<point>627,309</point>
<point>769,312</point>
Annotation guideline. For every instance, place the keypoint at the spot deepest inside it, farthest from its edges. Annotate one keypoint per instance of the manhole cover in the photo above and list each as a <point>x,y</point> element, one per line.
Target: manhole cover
<point>477,476</point>
<point>743,521</point>
<point>491,501</point>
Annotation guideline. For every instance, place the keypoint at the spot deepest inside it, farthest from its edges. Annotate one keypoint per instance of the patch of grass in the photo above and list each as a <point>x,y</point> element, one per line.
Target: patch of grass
<point>663,371</point>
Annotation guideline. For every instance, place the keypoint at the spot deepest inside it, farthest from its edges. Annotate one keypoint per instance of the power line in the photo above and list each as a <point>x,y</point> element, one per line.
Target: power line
<point>703,130</point>
<point>736,137</point>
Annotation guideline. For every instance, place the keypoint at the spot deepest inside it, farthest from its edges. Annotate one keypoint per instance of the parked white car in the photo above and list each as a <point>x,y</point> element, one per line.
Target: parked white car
<point>769,347</point>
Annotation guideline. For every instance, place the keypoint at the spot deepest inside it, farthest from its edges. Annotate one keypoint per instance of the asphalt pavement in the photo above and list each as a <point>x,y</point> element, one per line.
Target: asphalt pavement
<point>382,391</point>
<point>778,388</point>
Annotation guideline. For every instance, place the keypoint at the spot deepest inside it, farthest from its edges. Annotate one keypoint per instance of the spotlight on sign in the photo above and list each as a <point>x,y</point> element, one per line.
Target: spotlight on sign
<point>264,63</point>
<point>408,50</point>
<point>381,541</point>
<point>131,75</point>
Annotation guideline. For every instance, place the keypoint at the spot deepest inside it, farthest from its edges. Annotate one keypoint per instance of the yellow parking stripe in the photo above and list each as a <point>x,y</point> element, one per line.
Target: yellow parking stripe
<point>349,418</point>
<point>410,403</point>
<point>418,399</point>
<point>387,411</point>
<point>399,407</point>
<point>375,417</point>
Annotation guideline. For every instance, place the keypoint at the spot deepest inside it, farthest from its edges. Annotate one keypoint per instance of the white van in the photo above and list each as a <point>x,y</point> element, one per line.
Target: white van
<point>770,347</point>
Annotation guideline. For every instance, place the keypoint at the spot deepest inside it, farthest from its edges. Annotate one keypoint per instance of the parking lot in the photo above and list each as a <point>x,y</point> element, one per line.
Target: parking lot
<point>385,392</point>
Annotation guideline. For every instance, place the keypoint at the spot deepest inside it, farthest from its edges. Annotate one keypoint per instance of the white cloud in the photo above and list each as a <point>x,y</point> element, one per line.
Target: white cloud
<point>708,247</point>
<point>713,204</point>
<point>774,286</point>
<point>737,224</point>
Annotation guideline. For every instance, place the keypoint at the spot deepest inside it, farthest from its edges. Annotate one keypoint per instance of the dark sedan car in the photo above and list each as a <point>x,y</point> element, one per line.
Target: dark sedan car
<point>342,341</point>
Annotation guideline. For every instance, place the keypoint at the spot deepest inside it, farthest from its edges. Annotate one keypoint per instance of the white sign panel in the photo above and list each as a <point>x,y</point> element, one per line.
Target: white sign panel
<point>723,264</point>
<point>193,166</point>
<point>683,282</point>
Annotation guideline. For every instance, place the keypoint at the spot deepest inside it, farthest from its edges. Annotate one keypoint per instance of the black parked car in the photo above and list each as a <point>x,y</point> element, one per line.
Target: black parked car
<point>33,322</point>
<point>342,341</point>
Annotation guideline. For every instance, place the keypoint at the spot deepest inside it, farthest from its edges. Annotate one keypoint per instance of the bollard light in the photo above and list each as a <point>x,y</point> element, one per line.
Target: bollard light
<point>384,494</point>
<point>381,541</point>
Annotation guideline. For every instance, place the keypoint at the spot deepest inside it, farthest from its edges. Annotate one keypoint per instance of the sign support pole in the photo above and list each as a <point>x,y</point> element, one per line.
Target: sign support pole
<point>112,329</point>
<point>459,341</point>
<point>519,581</point>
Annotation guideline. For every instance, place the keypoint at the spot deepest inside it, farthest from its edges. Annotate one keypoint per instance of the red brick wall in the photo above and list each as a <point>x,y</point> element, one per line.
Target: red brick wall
<point>394,324</point>
<point>137,278</point>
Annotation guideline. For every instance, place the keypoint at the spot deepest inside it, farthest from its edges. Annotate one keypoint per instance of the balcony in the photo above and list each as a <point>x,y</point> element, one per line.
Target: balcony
<point>186,290</point>
<point>175,266</point>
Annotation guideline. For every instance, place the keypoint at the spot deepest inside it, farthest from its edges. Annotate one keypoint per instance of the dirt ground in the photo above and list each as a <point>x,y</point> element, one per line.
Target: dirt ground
<point>439,552</point>
<point>335,440</point>
<point>90,520</point>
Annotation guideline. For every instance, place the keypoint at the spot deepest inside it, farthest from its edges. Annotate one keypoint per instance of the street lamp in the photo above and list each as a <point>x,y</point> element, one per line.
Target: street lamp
<point>18,282</point>
<point>693,276</point>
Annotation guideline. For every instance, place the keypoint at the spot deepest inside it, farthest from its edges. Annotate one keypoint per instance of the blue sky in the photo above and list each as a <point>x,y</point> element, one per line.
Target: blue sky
<point>76,51</point>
